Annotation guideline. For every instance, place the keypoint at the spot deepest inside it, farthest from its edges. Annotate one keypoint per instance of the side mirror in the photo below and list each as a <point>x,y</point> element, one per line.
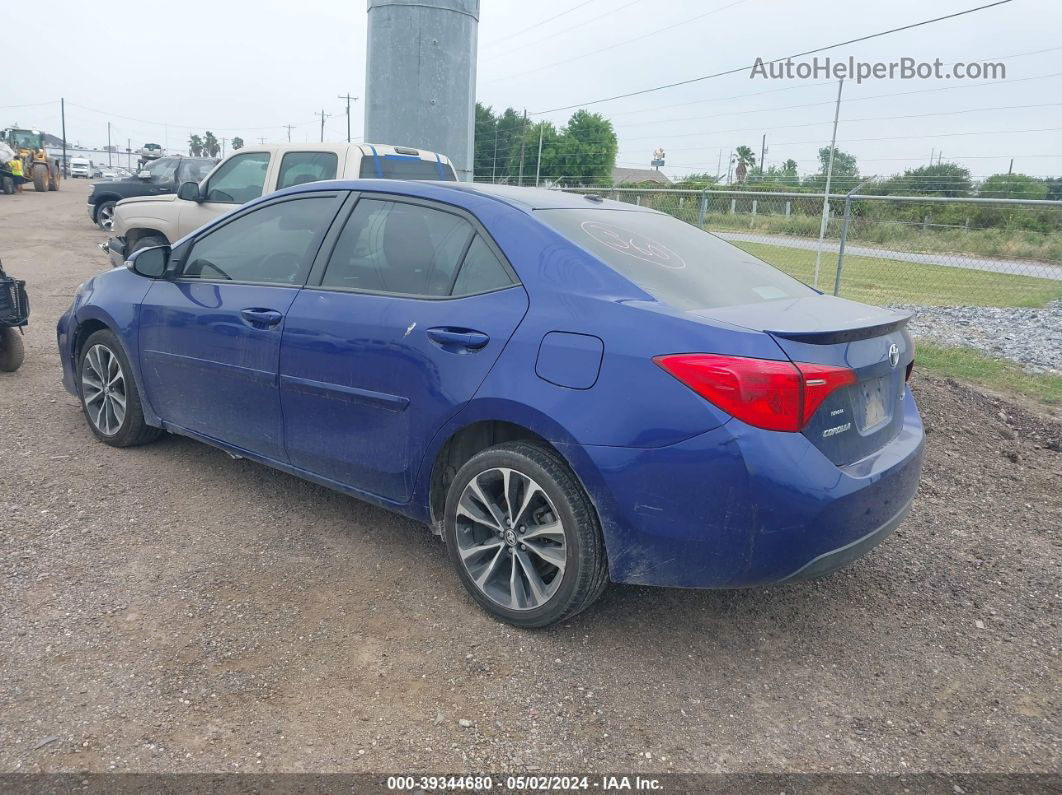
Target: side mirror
<point>145,174</point>
<point>149,262</point>
<point>189,191</point>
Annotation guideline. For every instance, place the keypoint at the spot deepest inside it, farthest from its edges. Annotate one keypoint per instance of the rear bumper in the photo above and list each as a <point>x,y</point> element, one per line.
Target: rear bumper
<point>738,507</point>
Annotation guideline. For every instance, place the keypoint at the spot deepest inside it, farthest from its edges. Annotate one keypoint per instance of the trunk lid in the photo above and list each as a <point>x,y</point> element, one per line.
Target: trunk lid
<point>856,420</point>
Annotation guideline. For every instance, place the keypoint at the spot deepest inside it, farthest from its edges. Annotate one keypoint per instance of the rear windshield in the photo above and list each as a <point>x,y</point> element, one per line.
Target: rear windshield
<point>676,263</point>
<point>401,167</point>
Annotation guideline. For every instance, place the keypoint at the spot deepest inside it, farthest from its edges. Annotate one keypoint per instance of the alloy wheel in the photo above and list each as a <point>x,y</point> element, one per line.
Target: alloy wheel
<point>510,539</point>
<point>103,389</point>
<point>106,216</point>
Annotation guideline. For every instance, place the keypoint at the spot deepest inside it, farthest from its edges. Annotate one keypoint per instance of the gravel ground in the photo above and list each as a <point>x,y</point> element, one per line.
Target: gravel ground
<point>167,608</point>
<point>1030,337</point>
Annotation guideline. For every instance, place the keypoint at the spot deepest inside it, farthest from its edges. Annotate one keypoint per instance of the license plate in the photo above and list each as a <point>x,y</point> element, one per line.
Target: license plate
<point>874,402</point>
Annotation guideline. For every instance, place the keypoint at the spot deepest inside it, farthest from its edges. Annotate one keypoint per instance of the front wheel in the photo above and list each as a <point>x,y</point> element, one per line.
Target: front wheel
<point>105,216</point>
<point>523,536</point>
<point>109,396</point>
<point>12,352</point>
<point>39,173</point>
<point>148,241</point>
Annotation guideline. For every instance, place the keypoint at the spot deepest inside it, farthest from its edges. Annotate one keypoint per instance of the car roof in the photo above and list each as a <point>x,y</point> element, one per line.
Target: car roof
<point>526,199</point>
<point>365,149</point>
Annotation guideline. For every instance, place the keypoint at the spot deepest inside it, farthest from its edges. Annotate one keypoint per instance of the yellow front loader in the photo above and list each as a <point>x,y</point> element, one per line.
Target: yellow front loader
<point>37,166</point>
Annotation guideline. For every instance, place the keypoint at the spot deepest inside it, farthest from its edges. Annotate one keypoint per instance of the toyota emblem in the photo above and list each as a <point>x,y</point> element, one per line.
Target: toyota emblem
<point>894,355</point>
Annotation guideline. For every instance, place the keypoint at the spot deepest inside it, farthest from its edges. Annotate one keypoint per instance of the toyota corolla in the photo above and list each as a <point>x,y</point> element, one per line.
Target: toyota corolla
<point>569,390</point>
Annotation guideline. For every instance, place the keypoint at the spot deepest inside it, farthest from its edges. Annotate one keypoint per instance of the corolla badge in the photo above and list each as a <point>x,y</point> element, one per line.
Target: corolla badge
<point>894,354</point>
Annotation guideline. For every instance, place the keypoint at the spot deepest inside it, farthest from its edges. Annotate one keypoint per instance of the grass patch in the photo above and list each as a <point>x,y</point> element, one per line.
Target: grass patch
<point>874,280</point>
<point>999,375</point>
<point>1003,241</point>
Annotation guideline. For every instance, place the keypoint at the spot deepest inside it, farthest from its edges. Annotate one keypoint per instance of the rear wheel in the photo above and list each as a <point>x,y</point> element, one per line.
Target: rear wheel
<point>7,185</point>
<point>523,536</point>
<point>105,215</point>
<point>109,396</point>
<point>12,352</point>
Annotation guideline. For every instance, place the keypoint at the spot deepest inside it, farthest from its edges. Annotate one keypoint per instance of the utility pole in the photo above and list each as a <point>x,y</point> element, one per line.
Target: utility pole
<point>289,128</point>
<point>63,115</point>
<point>129,153</point>
<point>829,177</point>
<point>538,163</point>
<point>108,144</point>
<point>763,154</point>
<point>729,166</point>
<point>323,116</point>
<point>1009,170</point>
<point>348,98</point>
<point>719,165</point>
<point>523,140</point>
<point>223,140</point>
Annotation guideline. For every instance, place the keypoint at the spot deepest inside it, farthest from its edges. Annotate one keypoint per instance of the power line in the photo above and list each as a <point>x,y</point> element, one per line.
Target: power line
<point>539,24</point>
<point>865,118</point>
<point>638,38</point>
<point>775,60</point>
<point>569,29</point>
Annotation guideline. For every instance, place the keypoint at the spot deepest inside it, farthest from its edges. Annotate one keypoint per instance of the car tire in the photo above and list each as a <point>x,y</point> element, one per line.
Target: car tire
<point>105,380</point>
<point>539,522</point>
<point>148,241</point>
<point>105,215</point>
<point>7,185</point>
<point>12,351</point>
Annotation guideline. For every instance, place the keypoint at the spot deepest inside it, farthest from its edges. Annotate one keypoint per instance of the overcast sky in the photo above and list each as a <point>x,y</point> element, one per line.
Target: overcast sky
<point>158,71</point>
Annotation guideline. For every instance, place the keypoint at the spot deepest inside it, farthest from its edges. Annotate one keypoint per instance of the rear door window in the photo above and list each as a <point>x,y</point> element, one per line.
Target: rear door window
<point>404,167</point>
<point>675,262</point>
<point>398,248</point>
<point>297,168</point>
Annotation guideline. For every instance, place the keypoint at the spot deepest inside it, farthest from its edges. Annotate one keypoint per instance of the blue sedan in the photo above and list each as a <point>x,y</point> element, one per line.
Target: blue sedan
<point>569,390</point>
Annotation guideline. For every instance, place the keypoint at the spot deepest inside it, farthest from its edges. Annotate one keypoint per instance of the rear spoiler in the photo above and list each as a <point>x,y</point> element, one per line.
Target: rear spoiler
<point>844,335</point>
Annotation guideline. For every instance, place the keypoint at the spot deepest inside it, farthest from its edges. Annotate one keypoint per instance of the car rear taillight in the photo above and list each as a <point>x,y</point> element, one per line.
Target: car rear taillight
<point>765,393</point>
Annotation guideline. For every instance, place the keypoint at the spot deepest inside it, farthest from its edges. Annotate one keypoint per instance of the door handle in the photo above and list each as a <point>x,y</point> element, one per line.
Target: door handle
<point>260,318</point>
<point>457,339</point>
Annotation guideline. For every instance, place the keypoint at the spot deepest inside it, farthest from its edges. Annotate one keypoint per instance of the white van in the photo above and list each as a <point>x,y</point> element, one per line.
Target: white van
<point>80,167</point>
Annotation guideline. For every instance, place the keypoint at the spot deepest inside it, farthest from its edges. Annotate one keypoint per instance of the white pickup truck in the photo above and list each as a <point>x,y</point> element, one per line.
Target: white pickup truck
<point>248,173</point>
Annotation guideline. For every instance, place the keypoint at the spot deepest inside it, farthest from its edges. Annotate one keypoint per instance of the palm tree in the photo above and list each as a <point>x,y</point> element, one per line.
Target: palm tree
<point>745,160</point>
<point>195,146</point>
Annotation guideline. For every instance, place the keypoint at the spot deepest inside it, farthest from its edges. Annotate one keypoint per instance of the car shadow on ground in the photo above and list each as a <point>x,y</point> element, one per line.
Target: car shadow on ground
<point>346,523</point>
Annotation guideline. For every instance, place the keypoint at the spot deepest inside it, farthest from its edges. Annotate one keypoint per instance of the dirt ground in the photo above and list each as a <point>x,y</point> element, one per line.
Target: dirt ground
<point>167,608</point>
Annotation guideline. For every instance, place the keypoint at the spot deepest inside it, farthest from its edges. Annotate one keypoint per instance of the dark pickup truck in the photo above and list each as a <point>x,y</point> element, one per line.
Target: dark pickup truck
<point>160,176</point>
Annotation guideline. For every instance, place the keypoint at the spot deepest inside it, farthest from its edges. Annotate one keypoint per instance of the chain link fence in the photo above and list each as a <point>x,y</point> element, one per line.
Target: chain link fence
<point>929,251</point>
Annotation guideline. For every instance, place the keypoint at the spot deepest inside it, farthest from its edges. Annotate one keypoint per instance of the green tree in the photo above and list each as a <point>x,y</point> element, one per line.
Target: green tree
<point>586,150</point>
<point>746,159</point>
<point>697,181</point>
<point>941,179</point>
<point>483,159</point>
<point>845,171</point>
<point>237,143</point>
<point>1013,186</point>
<point>195,146</point>
<point>211,147</point>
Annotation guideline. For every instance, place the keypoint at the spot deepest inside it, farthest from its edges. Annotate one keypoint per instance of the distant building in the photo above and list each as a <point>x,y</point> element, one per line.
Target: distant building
<point>639,175</point>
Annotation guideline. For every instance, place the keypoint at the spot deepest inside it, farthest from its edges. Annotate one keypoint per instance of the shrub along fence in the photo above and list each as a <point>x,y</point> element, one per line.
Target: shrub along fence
<point>885,249</point>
